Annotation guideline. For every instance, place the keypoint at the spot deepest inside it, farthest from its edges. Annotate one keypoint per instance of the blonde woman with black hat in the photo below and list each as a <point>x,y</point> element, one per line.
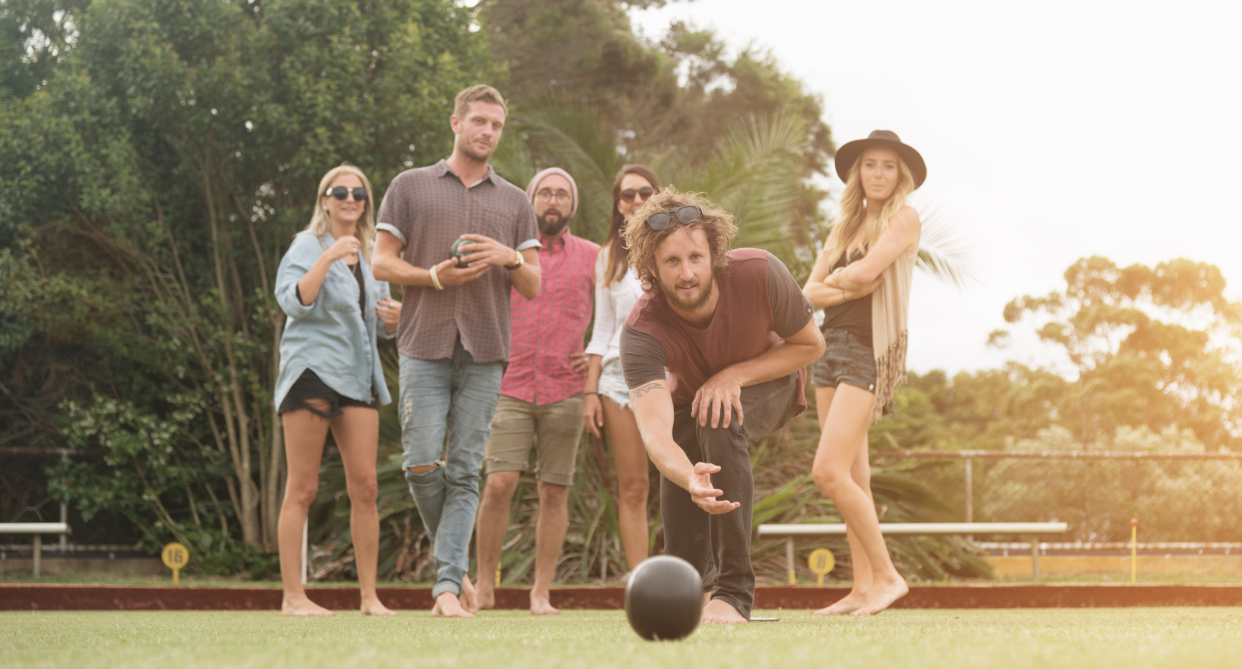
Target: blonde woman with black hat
<point>862,282</point>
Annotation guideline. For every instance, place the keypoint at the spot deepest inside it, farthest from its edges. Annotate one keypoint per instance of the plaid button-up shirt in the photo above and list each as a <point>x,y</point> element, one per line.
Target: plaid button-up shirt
<point>549,328</point>
<point>428,208</point>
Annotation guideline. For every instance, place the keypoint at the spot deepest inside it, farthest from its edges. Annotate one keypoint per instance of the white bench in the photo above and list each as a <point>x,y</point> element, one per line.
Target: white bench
<point>38,530</point>
<point>915,529</point>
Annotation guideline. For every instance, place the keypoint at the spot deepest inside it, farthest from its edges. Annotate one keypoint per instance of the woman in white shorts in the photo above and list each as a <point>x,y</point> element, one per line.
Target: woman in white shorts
<point>607,396</point>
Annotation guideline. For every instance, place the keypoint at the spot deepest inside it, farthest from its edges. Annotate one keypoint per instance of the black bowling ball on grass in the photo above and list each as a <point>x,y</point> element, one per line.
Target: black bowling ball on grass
<point>664,598</point>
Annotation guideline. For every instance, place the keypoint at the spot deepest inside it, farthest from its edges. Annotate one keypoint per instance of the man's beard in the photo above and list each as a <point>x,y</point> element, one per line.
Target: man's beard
<point>552,228</point>
<point>468,149</point>
<point>691,304</point>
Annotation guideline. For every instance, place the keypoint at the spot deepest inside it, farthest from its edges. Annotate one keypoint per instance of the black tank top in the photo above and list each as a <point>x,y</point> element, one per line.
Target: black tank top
<point>854,316</point>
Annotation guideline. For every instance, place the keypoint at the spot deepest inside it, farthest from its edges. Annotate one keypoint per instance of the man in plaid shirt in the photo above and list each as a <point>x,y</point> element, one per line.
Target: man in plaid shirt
<point>453,335</point>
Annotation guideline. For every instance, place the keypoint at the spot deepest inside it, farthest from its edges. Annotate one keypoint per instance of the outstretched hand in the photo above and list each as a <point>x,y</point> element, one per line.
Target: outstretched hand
<point>702,492</point>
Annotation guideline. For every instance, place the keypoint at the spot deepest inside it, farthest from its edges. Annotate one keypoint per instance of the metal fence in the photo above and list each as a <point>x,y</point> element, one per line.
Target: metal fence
<point>1176,497</point>
<point>64,453</point>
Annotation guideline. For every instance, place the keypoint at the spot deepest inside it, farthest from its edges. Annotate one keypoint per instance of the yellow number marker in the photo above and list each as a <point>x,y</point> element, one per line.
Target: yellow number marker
<point>175,557</point>
<point>821,562</point>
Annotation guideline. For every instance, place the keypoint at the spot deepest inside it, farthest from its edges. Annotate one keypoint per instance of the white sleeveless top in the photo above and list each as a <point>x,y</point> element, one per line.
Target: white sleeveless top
<point>612,307</point>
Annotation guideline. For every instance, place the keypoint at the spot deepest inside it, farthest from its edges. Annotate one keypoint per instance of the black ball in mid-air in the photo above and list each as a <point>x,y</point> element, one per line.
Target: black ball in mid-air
<point>457,251</point>
<point>664,598</point>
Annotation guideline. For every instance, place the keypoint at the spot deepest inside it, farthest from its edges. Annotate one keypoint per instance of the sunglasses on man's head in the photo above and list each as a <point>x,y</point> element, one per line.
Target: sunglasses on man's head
<point>661,219</point>
<point>341,192</point>
<point>629,193</point>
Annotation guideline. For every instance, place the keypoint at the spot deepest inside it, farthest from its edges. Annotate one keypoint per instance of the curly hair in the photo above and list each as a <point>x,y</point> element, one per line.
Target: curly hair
<point>642,241</point>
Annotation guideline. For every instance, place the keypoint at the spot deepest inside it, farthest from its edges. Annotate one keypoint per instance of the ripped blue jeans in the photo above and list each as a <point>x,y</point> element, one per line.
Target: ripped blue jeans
<point>454,398</point>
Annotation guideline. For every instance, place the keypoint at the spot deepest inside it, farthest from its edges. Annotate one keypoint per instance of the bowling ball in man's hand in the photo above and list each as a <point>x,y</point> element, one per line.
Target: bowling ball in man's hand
<point>664,598</point>
<point>458,251</point>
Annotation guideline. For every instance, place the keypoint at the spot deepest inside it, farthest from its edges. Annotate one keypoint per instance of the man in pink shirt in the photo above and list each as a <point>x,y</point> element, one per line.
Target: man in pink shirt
<point>541,394</point>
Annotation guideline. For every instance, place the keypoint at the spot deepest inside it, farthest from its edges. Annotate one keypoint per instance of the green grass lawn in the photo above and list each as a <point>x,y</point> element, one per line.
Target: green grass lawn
<point>1204,637</point>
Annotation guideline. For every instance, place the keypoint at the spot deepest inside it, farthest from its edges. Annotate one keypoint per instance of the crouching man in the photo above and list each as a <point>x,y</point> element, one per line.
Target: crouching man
<point>715,353</point>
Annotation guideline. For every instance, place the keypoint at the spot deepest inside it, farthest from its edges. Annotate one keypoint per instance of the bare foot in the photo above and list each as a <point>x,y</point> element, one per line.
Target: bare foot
<point>373,607</point>
<point>302,607</point>
<point>484,596</point>
<point>469,596</point>
<point>449,606</point>
<point>719,611</point>
<point>881,596</point>
<point>847,604</point>
<point>540,605</point>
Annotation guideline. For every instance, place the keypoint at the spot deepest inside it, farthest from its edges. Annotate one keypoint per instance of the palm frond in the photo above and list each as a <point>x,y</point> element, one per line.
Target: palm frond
<point>755,174</point>
<point>944,251</point>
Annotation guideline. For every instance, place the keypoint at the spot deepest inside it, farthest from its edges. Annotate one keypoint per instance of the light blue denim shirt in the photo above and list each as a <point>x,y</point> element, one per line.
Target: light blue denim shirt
<point>330,336</point>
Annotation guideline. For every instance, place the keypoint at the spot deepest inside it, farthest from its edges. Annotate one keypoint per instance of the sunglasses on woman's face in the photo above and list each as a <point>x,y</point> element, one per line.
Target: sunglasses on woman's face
<point>661,219</point>
<point>629,193</point>
<point>341,192</point>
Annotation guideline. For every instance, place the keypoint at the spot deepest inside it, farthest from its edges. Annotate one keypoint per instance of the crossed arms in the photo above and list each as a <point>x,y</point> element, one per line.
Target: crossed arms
<point>825,288</point>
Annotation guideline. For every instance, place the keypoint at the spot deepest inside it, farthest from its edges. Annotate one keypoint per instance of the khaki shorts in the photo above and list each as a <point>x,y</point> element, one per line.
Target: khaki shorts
<point>558,427</point>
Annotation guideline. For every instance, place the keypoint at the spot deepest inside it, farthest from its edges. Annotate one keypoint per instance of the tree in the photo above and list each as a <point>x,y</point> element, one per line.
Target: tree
<point>752,170</point>
<point>150,190</point>
<point>984,410</point>
<point>34,36</point>
<point>676,99</point>
<point>1149,345</point>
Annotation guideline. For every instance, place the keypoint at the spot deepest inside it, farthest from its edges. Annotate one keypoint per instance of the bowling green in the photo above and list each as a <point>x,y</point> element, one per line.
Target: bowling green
<point>1166,637</point>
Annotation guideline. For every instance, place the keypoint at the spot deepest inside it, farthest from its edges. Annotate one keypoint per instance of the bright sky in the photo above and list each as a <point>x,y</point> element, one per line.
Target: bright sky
<point>1052,130</point>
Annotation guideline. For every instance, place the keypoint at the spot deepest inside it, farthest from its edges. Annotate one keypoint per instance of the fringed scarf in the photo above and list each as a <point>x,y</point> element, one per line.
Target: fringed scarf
<point>890,308</point>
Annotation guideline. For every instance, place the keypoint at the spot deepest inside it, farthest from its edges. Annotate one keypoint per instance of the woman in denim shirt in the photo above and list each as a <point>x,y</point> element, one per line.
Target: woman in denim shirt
<point>330,374</point>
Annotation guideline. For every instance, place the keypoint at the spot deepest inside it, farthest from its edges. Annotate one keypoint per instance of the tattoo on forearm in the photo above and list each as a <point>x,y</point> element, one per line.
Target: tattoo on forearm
<point>636,393</point>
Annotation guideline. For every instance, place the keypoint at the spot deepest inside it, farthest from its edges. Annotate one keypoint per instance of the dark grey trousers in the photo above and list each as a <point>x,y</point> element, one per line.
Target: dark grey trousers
<point>719,545</point>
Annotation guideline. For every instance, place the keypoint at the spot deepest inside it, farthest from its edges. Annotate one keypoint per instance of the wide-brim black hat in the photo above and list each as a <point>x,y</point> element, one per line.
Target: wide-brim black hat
<point>849,153</point>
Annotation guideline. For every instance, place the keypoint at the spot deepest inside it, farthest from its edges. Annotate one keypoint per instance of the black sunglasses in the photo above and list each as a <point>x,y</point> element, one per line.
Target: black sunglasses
<point>341,192</point>
<point>629,193</point>
<point>661,219</point>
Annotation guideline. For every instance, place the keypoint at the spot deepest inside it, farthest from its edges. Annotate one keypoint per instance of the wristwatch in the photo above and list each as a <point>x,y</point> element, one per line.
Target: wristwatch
<point>518,262</point>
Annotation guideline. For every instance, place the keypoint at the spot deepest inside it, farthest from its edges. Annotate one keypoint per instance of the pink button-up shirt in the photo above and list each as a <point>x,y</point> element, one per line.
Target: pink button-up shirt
<point>547,329</point>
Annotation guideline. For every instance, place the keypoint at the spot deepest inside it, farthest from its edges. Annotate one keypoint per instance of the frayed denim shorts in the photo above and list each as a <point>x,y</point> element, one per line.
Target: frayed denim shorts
<point>612,384</point>
<point>847,359</point>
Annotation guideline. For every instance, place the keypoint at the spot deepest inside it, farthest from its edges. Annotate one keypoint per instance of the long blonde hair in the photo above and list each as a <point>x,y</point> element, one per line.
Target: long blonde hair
<point>854,213</point>
<point>321,224</point>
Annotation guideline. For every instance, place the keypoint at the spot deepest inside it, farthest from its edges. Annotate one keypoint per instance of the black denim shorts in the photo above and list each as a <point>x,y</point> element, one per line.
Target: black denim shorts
<point>310,386</point>
<point>847,359</point>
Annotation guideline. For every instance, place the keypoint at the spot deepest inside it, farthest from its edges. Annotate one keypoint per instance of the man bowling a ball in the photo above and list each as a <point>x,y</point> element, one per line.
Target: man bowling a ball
<point>714,354</point>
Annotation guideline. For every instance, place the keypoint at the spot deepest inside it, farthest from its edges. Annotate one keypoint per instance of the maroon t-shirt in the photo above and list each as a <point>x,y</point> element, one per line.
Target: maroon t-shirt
<point>760,304</point>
